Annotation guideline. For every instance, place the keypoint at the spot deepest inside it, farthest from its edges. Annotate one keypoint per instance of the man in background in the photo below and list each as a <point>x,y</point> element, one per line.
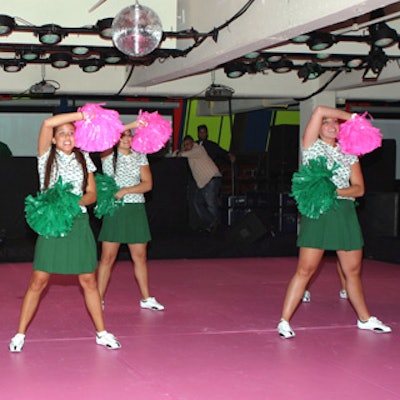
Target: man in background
<point>207,179</point>
<point>215,151</point>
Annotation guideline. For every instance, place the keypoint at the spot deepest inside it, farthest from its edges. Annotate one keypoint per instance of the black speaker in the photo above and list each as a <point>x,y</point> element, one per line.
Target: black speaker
<point>378,213</point>
<point>236,215</point>
<point>282,155</point>
<point>247,230</point>
<point>287,213</point>
<point>379,167</point>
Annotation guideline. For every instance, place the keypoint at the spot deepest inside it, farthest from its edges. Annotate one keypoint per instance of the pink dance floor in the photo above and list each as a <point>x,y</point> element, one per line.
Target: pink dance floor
<point>216,339</point>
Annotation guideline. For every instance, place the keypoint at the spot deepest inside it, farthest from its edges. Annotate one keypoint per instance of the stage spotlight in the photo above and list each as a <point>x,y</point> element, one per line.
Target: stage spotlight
<point>355,62</point>
<point>112,57</point>
<point>309,71</point>
<point>104,28</point>
<point>235,70</point>
<point>60,60</point>
<point>282,66</point>
<point>13,65</point>
<point>382,35</point>
<point>91,65</point>
<point>7,24</point>
<point>80,50</point>
<point>301,38</point>
<point>377,60</point>
<point>320,41</point>
<point>50,34</point>
<point>273,58</point>
<point>252,55</point>
<point>29,54</point>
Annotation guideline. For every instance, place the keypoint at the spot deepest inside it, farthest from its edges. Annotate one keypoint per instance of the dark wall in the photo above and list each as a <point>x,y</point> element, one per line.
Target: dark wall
<point>18,179</point>
<point>167,207</point>
<point>379,168</point>
<point>282,156</point>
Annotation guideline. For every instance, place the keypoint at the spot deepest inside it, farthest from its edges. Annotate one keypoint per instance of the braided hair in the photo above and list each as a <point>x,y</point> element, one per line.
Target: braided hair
<point>52,161</point>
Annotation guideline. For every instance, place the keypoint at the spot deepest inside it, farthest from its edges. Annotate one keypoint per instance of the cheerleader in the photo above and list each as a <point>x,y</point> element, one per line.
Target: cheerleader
<point>128,224</point>
<point>72,253</point>
<point>336,228</point>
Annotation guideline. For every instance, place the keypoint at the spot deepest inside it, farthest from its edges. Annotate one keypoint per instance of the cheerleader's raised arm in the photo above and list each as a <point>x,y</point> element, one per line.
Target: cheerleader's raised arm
<point>313,128</point>
<point>49,124</point>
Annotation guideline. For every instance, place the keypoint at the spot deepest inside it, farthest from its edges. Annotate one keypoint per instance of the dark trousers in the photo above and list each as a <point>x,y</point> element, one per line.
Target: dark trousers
<point>206,203</point>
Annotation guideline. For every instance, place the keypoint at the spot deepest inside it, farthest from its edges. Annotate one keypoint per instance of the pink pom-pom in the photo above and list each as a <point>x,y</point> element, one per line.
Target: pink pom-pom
<point>153,134</point>
<point>357,136</point>
<point>100,130</point>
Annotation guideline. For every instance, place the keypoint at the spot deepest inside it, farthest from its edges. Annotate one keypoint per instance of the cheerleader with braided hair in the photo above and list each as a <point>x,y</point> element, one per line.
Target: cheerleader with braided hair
<point>75,251</point>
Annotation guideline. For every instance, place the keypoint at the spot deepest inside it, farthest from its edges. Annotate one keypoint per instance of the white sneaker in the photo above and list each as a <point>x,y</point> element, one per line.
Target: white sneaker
<point>152,304</point>
<point>373,324</point>
<point>343,294</point>
<point>284,330</point>
<point>17,343</point>
<point>306,297</point>
<point>108,340</point>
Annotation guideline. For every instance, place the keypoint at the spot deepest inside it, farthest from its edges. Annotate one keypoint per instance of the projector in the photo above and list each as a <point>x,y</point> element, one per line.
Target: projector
<point>218,92</point>
<point>42,87</point>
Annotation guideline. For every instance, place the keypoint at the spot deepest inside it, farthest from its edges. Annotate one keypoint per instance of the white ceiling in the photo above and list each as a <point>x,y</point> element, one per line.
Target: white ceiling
<point>267,24</point>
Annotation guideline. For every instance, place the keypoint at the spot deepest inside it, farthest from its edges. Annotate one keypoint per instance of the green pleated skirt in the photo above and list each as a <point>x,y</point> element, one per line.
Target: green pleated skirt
<point>74,254</point>
<point>337,229</point>
<point>129,224</point>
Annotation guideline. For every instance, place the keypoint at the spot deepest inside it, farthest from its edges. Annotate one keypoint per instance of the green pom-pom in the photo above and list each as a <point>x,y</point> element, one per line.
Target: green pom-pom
<point>52,212</point>
<point>313,189</point>
<point>107,204</point>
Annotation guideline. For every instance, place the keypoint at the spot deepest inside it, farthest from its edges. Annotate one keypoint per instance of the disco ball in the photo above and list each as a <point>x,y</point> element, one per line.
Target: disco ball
<point>137,30</point>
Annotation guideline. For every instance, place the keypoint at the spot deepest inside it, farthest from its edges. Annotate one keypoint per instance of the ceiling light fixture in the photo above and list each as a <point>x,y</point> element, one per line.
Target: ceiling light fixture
<point>91,65</point>
<point>355,63</point>
<point>377,59</point>
<point>382,35</point>
<point>104,28</point>
<point>235,70</point>
<point>273,58</point>
<point>112,57</point>
<point>50,34</point>
<point>320,41</point>
<point>309,71</point>
<point>252,55</point>
<point>60,60</point>
<point>13,65</point>
<point>282,66</point>
<point>301,38</point>
<point>80,50</point>
<point>7,24</point>
<point>322,56</point>
<point>139,30</point>
<point>29,54</point>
